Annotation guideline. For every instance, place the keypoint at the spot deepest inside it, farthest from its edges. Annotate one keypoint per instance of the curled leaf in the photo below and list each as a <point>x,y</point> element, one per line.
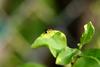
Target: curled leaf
<point>53,39</point>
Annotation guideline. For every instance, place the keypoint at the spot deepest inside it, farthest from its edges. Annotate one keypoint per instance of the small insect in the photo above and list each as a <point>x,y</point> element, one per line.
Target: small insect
<point>46,30</point>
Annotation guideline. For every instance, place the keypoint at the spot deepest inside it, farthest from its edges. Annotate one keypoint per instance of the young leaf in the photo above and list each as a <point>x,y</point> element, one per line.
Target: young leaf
<point>88,33</point>
<point>65,56</point>
<point>86,62</point>
<point>53,39</point>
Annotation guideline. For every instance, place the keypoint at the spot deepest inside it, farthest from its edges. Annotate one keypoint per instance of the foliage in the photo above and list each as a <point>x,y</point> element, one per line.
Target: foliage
<point>87,34</point>
<point>56,41</point>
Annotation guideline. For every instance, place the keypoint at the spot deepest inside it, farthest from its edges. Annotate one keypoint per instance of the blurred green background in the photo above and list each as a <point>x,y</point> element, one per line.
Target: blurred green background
<point>22,21</point>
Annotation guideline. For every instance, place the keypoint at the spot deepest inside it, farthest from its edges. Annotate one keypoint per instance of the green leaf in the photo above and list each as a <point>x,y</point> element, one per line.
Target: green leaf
<point>92,52</point>
<point>86,62</point>
<point>31,65</point>
<point>65,56</point>
<point>88,33</point>
<point>53,39</point>
<point>89,58</point>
